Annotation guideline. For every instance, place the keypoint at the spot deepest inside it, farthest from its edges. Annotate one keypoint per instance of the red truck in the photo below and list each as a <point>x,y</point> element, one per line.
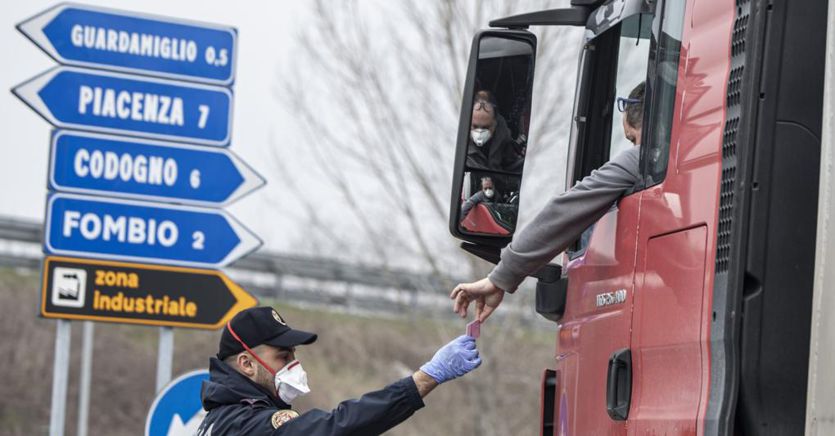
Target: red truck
<point>687,308</point>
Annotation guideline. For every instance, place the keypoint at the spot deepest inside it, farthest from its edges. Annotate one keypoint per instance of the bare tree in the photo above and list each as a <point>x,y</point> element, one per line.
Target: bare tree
<point>377,87</point>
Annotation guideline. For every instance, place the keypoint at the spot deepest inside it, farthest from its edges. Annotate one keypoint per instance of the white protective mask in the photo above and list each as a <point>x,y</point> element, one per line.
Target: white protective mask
<point>489,193</point>
<point>291,382</point>
<point>480,136</point>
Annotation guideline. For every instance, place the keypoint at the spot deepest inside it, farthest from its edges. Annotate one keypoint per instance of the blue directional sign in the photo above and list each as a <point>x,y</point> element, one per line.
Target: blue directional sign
<point>129,230</point>
<point>88,36</point>
<point>178,410</point>
<point>87,163</point>
<point>123,104</point>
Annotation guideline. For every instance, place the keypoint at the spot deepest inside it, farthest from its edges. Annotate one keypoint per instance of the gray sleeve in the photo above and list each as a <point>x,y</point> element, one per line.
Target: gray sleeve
<point>476,198</point>
<point>564,218</point>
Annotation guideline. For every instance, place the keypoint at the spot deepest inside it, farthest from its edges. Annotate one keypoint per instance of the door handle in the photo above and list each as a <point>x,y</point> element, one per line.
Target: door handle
<point>619,385</point>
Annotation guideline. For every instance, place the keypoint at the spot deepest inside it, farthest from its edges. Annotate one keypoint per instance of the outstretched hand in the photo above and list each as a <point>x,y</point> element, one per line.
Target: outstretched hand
<point>486,295</point>
<point>453,360</point>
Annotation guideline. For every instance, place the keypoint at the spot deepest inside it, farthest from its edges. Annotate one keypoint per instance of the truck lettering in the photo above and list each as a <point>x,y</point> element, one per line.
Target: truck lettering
<point>610,298</point>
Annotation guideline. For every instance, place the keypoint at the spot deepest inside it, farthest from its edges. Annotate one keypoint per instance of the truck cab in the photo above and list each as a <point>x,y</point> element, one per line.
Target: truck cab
<point>686,307</point>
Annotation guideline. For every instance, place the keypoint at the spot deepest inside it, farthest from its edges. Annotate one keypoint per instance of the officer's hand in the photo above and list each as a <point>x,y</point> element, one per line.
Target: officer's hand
<point>453,360</point>
<point>486,295</point>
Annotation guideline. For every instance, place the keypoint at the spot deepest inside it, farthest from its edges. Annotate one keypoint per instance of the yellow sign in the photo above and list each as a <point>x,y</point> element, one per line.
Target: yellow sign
<point>133,293</point>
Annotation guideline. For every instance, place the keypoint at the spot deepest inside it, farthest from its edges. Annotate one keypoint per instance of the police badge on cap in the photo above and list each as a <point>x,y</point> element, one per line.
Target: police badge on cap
<point>278,318</point>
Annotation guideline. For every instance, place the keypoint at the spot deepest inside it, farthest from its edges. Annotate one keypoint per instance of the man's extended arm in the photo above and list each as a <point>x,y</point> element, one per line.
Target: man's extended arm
<point>564,218</point>
<point>377,412</point>
<point>374,413</point>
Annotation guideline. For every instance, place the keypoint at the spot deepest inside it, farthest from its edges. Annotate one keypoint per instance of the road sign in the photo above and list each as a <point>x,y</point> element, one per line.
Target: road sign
<point>98,290</point>
<point>123,104</point>
<point>96,227</point>
<point>177,410</point>
<point>86,163</point>
<point>89,36</point>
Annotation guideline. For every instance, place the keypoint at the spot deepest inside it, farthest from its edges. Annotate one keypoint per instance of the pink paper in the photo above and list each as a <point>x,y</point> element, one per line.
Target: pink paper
<point>474,329</point>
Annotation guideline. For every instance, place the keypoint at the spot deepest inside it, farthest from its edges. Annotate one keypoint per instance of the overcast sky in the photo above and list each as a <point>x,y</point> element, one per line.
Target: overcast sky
<point>265,37</point>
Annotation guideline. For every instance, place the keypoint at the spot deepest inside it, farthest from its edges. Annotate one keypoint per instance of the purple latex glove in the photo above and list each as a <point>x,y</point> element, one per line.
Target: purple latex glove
<point>453,360</point>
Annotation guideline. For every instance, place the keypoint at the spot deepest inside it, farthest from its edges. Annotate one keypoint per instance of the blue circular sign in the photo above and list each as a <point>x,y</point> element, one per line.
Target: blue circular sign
<point>178,410</point>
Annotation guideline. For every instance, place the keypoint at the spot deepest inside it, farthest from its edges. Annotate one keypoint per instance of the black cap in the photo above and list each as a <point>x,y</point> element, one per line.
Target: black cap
<point>257,326</point>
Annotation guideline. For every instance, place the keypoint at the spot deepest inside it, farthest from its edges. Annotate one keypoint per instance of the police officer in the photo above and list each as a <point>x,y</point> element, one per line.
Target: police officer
<point>256,376</point>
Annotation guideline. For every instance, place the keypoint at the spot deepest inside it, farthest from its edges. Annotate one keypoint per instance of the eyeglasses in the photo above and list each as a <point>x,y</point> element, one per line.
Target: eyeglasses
<point>483,104</point>
<point>623,103</point>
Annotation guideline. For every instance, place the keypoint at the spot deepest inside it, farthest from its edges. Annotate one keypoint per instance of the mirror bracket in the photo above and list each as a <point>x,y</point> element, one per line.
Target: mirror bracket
<point>486,252</point>
<point>551,291</point>
<point>548,274</point>
<point>573,16</point>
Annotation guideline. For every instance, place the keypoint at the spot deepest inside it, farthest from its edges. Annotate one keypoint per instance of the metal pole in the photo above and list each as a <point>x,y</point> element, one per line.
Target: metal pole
<point>60,376</point>
<point>820,395</point>
<point>165,356</point>
<point>86,372</point>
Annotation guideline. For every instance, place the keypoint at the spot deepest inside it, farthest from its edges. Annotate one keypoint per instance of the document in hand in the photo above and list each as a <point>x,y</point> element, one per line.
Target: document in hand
<point>474,329</point>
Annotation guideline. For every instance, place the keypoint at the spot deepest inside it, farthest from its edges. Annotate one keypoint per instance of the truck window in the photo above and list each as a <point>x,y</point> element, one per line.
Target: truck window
<point>627,46</point>
<point>665,50</point>
<point>633,53</point>
<point>644,48</point>
<point>613,63</point>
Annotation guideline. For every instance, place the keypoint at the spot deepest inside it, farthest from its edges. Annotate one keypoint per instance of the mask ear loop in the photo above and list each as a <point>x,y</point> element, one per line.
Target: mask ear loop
<point>249,350</point>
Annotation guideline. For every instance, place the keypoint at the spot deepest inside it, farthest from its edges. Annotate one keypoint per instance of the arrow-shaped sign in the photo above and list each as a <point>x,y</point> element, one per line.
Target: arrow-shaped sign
<point>95,37</point>
<point>116,103</point>
<point>86,163</point>
<point>131,230</point>
<point>133,293</point>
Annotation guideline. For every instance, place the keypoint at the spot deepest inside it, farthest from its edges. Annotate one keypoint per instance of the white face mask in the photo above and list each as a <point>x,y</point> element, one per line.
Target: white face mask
<point>480,136</point>
<point>489,193</point>
<point>291,382</point>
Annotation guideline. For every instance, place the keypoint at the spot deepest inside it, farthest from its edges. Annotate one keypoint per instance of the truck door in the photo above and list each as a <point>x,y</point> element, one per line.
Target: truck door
<point>593,361</point>
<point>670,304</point>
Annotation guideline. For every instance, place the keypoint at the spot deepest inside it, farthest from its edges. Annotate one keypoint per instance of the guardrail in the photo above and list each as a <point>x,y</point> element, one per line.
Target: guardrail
<point>302,280</point>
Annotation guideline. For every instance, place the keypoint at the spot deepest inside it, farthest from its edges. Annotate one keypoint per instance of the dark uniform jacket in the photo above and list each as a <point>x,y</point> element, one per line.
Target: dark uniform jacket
<point>498,153</point>
<point>238,406</point>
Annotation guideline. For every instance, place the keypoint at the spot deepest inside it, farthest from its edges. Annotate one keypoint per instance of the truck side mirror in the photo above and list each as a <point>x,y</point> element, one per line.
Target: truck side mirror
<point>492,137</point>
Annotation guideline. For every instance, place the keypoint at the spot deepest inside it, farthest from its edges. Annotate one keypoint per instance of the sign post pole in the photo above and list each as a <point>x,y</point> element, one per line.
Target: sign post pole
<point>86,373</point>
<point>165,357</point>
<point>60,376</point>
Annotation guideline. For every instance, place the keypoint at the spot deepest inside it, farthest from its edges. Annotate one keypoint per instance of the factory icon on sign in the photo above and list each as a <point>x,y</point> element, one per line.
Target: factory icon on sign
<point>68,287</point>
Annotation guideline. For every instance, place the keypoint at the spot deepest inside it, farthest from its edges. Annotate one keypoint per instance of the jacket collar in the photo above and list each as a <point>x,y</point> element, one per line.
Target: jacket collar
<point>227,386</point>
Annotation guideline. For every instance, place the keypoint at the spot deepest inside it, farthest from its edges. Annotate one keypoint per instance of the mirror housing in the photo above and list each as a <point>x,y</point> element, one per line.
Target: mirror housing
<point>574,16</point>
<point>490,221</point>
